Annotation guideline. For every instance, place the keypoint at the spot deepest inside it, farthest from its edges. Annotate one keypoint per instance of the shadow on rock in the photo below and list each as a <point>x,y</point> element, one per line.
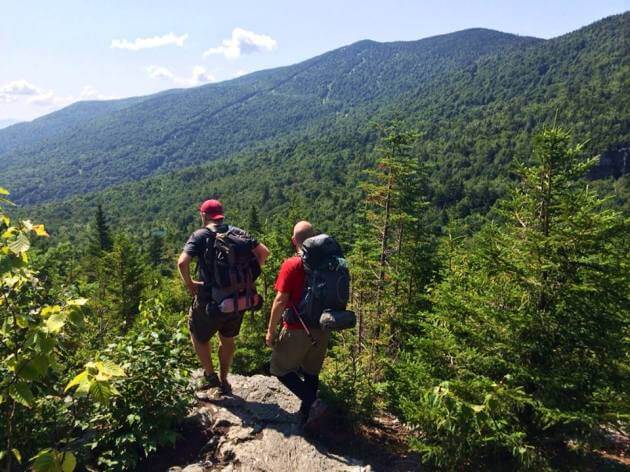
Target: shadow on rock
<point>257,428</point>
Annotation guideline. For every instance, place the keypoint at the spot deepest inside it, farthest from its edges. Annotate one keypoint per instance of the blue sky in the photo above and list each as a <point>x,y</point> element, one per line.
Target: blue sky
<point>53,53</point>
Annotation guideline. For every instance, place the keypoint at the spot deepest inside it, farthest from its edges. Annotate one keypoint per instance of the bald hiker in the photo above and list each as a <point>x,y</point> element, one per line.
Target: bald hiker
<point>312,290</point>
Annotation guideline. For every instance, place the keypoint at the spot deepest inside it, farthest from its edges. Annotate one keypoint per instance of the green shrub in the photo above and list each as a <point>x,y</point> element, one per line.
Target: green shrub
<point>154,396</point>
<point>34,330</point>
<point>352,379</point>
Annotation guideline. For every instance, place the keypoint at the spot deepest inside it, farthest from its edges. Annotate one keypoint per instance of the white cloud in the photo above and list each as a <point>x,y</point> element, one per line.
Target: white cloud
<point>198,76</point>
<point>153,42</point>
<point>201,76</point>
<point>43,99</point>
<point>90,93</point>
<point>156,72</point>
<point>20,87</point>
<point>16,89</point>
<point>24,90</point>
<point>49,99</point>
<point>34,95</point>
<point>243,42</point>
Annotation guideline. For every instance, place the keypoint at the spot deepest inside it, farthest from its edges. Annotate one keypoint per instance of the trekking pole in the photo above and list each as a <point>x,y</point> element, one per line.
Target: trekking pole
<point>308,331</point>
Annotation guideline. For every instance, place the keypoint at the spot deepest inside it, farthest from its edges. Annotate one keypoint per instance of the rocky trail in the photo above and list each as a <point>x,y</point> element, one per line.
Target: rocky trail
<point>256,429</point>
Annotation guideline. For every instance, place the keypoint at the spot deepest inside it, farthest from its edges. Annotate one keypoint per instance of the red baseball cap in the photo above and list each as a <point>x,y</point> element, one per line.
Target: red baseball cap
<point>212,208</point>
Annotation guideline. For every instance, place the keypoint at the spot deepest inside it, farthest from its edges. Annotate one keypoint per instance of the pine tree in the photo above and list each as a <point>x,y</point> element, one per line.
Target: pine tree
<point>395,204</point>
<point>266,196</point>
<point>124,268</point>
<point>390,269</point>
<point>526,342</point>
<point>253,225</point>
<point>100,239</point>
<point>94,267</point>
<point>156,248</point>
<point>413,261</point>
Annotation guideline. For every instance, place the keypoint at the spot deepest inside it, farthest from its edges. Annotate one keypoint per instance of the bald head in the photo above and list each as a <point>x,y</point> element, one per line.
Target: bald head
<point>301,232</point>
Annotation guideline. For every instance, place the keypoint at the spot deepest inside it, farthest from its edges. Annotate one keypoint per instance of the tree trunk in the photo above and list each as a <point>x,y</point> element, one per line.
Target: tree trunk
<point>383,255</point>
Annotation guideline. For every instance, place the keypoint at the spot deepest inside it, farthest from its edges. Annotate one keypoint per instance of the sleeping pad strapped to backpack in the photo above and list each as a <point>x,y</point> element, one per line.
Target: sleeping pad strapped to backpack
<point>327,286</point>
<point>233,268</point>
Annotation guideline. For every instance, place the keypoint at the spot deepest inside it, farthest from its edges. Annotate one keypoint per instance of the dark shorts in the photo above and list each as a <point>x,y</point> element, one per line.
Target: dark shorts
<point>203,324</point>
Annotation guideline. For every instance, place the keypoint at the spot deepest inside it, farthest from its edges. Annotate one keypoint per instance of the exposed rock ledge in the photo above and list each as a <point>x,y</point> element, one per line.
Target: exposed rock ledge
<point>255,429</point>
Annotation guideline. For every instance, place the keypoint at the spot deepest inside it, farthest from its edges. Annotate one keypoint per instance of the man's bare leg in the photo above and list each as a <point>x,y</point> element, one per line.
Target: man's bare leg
<point>203,353</point>
<point>226,353</point>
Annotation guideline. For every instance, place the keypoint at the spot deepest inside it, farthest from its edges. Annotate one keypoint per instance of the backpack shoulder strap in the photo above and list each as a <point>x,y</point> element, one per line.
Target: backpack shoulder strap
<point>210,237</point>
<point>210,234</point>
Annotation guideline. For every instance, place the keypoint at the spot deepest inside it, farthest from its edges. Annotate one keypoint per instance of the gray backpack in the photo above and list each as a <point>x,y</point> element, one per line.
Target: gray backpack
<point>327,286</point>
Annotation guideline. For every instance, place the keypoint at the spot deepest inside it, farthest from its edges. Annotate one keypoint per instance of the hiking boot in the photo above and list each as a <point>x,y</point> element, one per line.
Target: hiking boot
<point>303,412</point>
<point>225,388</point>
<point>209,381</point>
<point>303,417</point>
<point>316,416</point>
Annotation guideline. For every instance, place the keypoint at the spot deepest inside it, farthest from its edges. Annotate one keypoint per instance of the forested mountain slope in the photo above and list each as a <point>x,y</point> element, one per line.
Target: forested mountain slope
<point>474,122</point>
<point>39,132</point>
<point>183,127</point>
<point>480,120</point>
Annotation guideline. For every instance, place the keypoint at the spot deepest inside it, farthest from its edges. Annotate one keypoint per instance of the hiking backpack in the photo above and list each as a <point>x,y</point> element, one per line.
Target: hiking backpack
<point>327,285</point>
<point>232,267</point>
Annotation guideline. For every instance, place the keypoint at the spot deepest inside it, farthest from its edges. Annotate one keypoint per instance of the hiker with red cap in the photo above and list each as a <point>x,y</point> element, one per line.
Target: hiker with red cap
<point>228,263</point>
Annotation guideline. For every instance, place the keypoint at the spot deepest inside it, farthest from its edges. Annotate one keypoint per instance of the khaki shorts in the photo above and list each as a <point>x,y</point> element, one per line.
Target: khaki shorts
<point>204,325</point>
<point>294,350</point>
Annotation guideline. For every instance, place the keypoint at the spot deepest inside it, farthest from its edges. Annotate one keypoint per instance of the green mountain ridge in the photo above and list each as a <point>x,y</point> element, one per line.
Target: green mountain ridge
<point>26,135</point>
<point>476,119</point>
<point>183,127</point>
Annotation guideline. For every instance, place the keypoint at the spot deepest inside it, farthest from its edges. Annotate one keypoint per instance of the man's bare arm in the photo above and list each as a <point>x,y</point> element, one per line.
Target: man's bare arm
<point>183,265</point>
<point>262,253</point>
<point>279,304</point>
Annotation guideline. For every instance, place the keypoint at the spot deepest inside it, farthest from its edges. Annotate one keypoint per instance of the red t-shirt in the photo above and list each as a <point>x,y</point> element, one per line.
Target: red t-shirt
<point>291,280</point>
